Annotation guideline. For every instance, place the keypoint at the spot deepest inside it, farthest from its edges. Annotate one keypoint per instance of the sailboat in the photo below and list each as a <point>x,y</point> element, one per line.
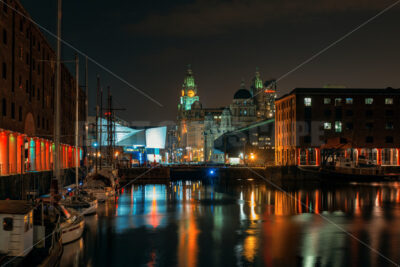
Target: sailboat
<point>72,223</point>
<point>84,203</point>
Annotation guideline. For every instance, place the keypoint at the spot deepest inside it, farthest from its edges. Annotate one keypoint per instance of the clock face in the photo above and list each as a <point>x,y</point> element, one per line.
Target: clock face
<point>191,93</point>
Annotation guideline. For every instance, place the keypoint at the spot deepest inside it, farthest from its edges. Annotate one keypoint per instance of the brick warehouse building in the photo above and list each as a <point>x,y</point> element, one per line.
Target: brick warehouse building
<point>27,87</point>
<point>352,122</point>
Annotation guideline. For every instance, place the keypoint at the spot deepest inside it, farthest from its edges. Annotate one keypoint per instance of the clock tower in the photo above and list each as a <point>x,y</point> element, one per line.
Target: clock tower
<point>188,92</point>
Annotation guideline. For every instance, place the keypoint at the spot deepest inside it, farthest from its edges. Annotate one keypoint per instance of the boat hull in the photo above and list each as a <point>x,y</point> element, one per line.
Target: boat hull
<point>73,232</point>
<point>91,210</point>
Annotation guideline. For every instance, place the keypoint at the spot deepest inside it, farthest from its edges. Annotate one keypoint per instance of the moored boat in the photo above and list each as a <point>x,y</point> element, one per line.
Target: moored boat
<point>72,224</point>
<point>101,185</point>
<point>82,202</point>
<point>30,235</point>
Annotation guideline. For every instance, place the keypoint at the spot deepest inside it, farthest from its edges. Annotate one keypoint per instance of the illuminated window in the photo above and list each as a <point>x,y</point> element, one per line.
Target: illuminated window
<point>327,125</point>
<point>389,126</point>
<point>369,101</point>
<point>26,223</point>
<point>389,101</point>
<point>338,126</point>
<point>327,100</point>
<point>338,101</point>
<point>349,100</point>
<point>307,101</point>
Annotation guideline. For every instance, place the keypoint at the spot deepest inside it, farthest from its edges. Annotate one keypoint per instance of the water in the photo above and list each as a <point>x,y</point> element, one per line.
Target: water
<point>189,223</point>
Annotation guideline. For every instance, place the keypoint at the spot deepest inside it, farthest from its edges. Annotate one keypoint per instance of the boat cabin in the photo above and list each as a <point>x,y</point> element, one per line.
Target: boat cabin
<point>16,233</point>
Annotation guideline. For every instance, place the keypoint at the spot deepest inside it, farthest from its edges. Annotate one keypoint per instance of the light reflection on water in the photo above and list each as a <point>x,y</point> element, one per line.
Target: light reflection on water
<point>193,224</point>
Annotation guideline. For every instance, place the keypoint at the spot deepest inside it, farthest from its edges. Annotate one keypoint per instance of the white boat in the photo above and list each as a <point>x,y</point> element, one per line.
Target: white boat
<point>72,224</point>
<point>30,235</point>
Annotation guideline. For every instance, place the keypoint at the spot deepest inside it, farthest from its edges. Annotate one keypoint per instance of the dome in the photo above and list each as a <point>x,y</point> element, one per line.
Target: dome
<point>242,94</point>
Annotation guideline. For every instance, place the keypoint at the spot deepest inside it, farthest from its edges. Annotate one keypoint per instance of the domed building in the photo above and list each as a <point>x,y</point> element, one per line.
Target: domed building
<point>198,127</point>
<point>243,109</point>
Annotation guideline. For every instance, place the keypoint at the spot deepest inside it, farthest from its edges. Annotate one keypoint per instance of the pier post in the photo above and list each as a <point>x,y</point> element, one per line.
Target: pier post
<point>20,153</point>
<point>3,153</point>
<point>317,156</point>
<point>12,153</point>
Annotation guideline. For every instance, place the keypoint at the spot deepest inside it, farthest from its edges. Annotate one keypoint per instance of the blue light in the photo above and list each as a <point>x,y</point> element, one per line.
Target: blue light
<point>69,189</point>
<point>95,144</point>
<point>80,183</point>
<point>211,172</point>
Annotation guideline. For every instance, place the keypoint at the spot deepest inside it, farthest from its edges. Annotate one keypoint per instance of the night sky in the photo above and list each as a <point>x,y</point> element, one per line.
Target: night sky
<point>149,43</point>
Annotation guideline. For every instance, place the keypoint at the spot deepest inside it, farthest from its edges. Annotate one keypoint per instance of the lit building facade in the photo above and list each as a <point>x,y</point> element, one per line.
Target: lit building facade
<point>27,84</point>
<point>199,127</point>
<point>250,145</point>
<point>310,123</point>
<point>243,108</point>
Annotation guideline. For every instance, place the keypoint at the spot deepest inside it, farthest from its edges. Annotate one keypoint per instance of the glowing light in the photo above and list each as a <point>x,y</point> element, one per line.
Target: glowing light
<point>191,93</point>
<point>154,216</point>
<point>252,207</point>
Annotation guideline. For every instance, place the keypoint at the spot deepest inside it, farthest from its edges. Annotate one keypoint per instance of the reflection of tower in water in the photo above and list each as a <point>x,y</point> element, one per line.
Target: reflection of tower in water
<point>187,235</point>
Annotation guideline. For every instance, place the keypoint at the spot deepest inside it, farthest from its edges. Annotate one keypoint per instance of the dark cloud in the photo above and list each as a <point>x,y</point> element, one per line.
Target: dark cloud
<point>208,17</point>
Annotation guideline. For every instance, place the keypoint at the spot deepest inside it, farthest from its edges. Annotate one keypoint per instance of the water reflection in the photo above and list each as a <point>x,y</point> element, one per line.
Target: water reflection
<point>190,223</point>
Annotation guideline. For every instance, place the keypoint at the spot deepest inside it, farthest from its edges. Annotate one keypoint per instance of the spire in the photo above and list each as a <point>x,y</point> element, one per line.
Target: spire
<point>189,69</point>
<point>242,84</point>
<point>189,80</point>
<point>257,82</point>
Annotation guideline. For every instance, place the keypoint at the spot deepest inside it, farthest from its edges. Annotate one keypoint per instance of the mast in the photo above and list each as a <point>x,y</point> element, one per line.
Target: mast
<point>101,122</point>
<point>87,116</point>
<point>110,129</point>
<point>97,121</point>
<point>77,122</point>
<point>56,166</point>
